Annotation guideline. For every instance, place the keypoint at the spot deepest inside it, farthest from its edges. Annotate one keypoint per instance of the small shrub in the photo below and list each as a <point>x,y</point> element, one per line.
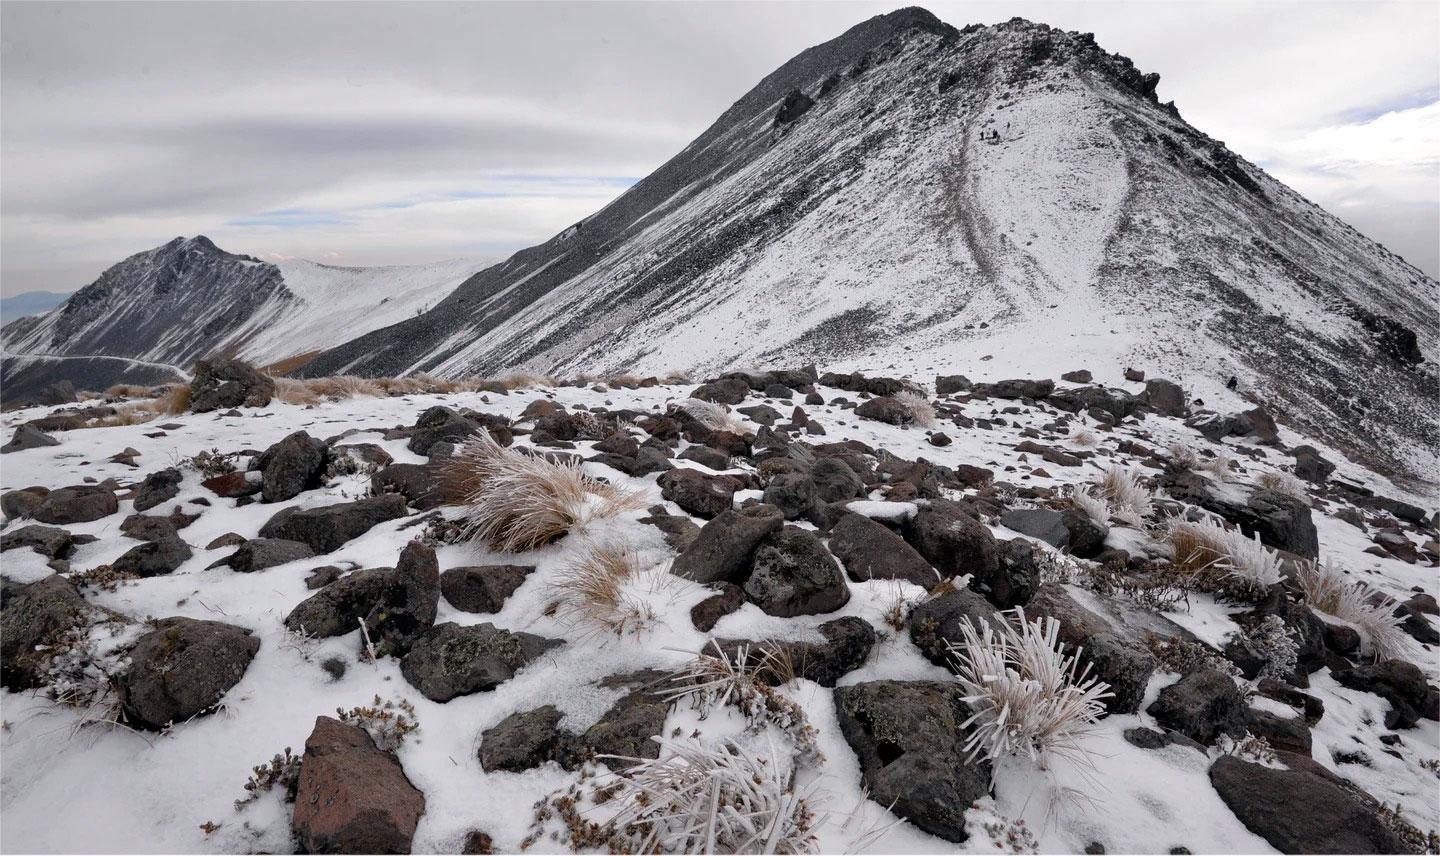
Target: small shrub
<point>388,723</point>
<point>1183,657</point>
<point>515,502</point>
<point>211,462</point>
<point>1328,590</point>
<point>1250,748</point>
<point>1282,482</point>
<point>282,772</point>
<point>746,682</point>
<point>334,667</point>
<point>1028,697</point>
<point>103,577</point>
<point>1273,643</point>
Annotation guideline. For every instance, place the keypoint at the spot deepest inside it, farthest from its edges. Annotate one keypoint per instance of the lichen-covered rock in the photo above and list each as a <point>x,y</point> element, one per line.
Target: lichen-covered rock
<point>953,542</point>
<point>291,466</point>
<point>408,606</point>
<point>911,749</point>
<point>353,797</point>
<point>697,493</point>
<point>1202,706</point>
<point>792,574</point>
<point>78,504</point>
<point>722,550</point>
<point>224,383</point>
<point>338,607</point>
<point>35,617</point>
<point>181,669</point>
<point>153,558</point>
<point>523,741</point>
<point>49,541</point>
<point>449,660</point>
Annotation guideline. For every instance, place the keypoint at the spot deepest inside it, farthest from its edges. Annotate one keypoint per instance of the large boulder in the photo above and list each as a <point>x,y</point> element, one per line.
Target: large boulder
<point>257,554</point>
<point>408,606</point>
<point>870,550</point>
<point>339,607</point>
<point>953,542</point>
<point>352,797</point>
<point>1202,705</point>
<point>1164,397</point>
<point>221,384</point>
<point>908,738</point>
<point>721,552</point>
<point>1021,388</point>
<point>27,436</point>
<point>482,588</point>
<point>36,617</point>
<point>1304,808</point>
<point>78,504</point>
<point>697,493</point>
<point>1282,521</point>
<point>154,558</point>
<point>1112,655</point>
<point>291,466</point>
<point>328,527</point>
<point>181,669</point>
<point>792,574</point>
<point>449,660</point>
<point>722,391</point>
<point>885,409</point>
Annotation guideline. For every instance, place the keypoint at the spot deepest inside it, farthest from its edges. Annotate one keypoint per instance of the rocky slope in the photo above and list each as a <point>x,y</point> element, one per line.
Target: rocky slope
<point>184,599</point>
<point>189,299</point>
<point>917,196</point>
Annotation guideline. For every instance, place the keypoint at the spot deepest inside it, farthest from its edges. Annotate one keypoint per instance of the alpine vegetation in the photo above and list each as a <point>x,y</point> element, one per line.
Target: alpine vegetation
<point>713,416</point>
<point>1328,590</point>
<point>922,412</point>
<point>1029,697</point>
<point>1130,501</point>
<point>514,502</point>
<point>711,798</point>
<point>1240,565</point>
<point>603,587</point>
<point>1096,507</point>
<point>1283,482</point>
<point>717,679</point>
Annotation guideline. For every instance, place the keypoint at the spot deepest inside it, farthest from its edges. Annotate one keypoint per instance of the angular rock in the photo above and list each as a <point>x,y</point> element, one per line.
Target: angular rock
<point>935,624</point>
<point>328,527</point>
<point>352,797</point>
<point>792,574</point>
<point>154,558</point>
<point>697,493</point>
<point>870,550</point>
<point>159,487</point>
<point>1202,706</point>
<point>847,645</point>
<point>17,504</point>
<point>705,614</point>
<point>911,749</point>
<point>1022,388</point>
<point>835,481</point>
<point>1042,523</point>
<point>722,550</point>
<point>482,588</point>
<point>408,606</point>
<point>236,484</point>
<point>627,729</point>
<point>953,542</point>
<point>449,660</point>
<point>79,504</point>
<point>35,617</point>
<point>27,436</point>
<point>951,384</point>
<point>886,409</point>
<point>1164,397</point>
<point>523,741</point>
<point>224,383</point>
<point>1303,809</point>
<point>291,466</point>
<point>792,493</point>
<point>257,554</point>
<point>181,669</point>
<point>338,607</point>
<point>48,541</point>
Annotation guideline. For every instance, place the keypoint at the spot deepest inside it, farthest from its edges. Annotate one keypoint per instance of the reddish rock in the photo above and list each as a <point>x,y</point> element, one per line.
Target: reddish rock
<point>231,485</point>
<point>353,797</point>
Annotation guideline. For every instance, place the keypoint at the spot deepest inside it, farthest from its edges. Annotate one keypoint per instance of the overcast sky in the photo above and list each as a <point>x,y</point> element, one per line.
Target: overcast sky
<point>374,133</point>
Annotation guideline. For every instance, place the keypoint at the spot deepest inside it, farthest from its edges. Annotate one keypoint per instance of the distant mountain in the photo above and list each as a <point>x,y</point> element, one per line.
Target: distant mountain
<point>189,298</point>
<point>932,199</point>
<point>30,303</point>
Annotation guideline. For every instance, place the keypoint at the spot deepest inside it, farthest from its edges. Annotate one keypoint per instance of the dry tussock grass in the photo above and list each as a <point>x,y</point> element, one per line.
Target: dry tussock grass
<point>603,588</point>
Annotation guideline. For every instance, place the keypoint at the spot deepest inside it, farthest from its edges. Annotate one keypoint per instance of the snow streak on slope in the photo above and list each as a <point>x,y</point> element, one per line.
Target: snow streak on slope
<point>1008,194</point>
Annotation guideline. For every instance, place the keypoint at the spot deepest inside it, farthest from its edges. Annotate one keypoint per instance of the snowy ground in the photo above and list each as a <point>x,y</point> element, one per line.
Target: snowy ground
<point>75,786</point>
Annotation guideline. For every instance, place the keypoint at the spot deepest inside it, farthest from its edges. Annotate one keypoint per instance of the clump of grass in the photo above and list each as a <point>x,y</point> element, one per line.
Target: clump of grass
<point>1328,590</point>
<point>747,682</point>
<point>596,589</point>
<point>1096,507</point>
<point>137,413</point>
<point>1283,482</point>
<point>1219,466</point>
<point>711,798</point>
<point>1029,698</point>
<point>1241,566</point>
<point>1182,457</point>
<point>1085,438</point>
<point>713,416</point>
<point>177,399</point>
<point>922,412</point>
<point>514,502</point>
<point>298,392</point>
<point>1130,501</point>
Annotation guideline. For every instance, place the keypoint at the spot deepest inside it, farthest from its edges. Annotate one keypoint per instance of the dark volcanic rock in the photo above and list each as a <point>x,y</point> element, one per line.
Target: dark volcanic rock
<point>157,488</point>
<point>792,574</point>
<point>449,660</point>
<point>1165,397</point>
<point>705,614</point>
<point>935,624</point>
<point>420,484</point>
<point>79,504</point>
<point>482,588</point>
<point>908,739</point>
<point>523,741</point>
<point>886,409</point>
<point>627,729</point>
<point>181,669</point>
<point>953,542</point>
<point>352,797</point>
<point>847,644</point>
<point>35,617</point>
<point>1202,706</point>
<point>291,466</point>
<point>16,504</point>
<point>339,607</point>
<point>722,550</point>
<point>1042,523</point>
<point>1303,809</point>
<point>1021,388</point>
<point>46,540</point>
<point>27,436</point>
<point>153,558</point>
<point>257,554</point>
<point>697,493</point>
<point>792,493</point>
<point>328,527</point>
<point>408,606</point>
<point>869,550</point>
<point>228,383</point>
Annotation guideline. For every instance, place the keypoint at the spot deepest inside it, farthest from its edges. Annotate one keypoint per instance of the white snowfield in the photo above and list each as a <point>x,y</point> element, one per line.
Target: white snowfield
<point>72,785</point>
